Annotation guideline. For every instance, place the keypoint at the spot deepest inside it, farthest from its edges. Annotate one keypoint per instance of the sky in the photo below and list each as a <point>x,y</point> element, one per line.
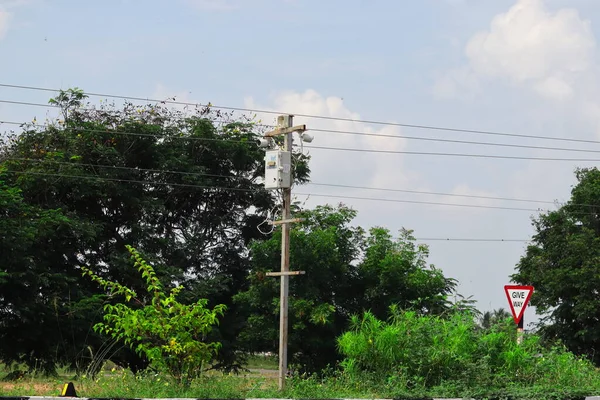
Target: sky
<point>526,67</point>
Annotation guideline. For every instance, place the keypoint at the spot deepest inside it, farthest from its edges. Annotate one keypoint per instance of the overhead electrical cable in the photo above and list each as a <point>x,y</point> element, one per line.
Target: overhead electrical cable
<point>441,140</point>
<point>64,175</point>
<point>77,164</point>
<point>425,153</point>
<point>324,117</point>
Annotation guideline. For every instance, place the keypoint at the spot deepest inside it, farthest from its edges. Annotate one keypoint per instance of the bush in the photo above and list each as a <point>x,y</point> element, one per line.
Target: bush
<point>169,334</point>
<point>456,356</point>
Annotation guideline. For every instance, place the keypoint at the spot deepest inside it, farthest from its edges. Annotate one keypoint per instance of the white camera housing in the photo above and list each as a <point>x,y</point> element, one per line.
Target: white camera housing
<point>264,143</point>
<point>306,137</point>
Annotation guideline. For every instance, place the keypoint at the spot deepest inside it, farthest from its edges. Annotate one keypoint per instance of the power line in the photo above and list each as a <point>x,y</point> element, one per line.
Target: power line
<point>334,131</point>
<point>427,239</point>
<point>303,194</point>
<point>308,183</point>
<point>520,146</point>
<point>472,240</point>
<point>130,181</point>
<point>424,153</point>
<point>235,177</point>
<point>125,133</point>
<point>418,202</point>
<point>249,190</point>
<point>77,164</point>
<point>470,196</point>
<point>26,103</point>
<point>361,121</point>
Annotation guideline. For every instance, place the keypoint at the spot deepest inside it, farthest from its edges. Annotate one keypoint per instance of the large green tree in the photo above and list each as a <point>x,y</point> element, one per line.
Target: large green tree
<point>183,187</point>
<point>324,246</point>
<point>38,285</point>
<point>347,271</point>
<point>563,264</point>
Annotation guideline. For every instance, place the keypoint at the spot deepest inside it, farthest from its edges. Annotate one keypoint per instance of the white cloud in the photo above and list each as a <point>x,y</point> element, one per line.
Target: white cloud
<point>554,88</point>
<point>528,42</point>
<point>553,53</point>
<point>531,46</point>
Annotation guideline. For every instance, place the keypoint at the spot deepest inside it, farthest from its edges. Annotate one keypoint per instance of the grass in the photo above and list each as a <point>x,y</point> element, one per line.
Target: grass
<point>116,382</point>
<point>262,361</point>
<point>555,374</point>
<point>124,384</point>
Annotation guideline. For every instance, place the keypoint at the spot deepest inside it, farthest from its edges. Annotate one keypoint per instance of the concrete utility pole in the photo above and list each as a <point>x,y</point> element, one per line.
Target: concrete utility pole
<point>281,171</point>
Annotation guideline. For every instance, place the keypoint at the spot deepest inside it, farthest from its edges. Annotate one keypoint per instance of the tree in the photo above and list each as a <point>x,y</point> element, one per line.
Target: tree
<point>38,288</point>
<point>395,271</point>
<point>183,187</point>
<point>347,272</point>
<point>563,264</point>
<point>489,319</point>
<point>324,246</point>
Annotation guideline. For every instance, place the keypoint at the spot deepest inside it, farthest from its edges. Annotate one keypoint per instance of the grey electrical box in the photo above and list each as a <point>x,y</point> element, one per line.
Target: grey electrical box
<point>278,171</point>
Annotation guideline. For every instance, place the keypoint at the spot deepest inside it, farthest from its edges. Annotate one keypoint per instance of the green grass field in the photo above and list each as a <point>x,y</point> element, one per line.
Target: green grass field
<point>259,382</point>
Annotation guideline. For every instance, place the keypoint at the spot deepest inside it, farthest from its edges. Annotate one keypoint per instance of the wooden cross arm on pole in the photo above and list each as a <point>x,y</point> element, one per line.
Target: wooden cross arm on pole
<point>285,273</point>
<point>286,221</point>
<point>283,131</point>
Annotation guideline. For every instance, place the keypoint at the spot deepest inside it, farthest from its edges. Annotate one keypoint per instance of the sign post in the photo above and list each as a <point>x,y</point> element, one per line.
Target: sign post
<point>518,299</point>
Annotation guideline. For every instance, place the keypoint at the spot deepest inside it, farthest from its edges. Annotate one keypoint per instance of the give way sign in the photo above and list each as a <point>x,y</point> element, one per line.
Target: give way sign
<point>518,298</point>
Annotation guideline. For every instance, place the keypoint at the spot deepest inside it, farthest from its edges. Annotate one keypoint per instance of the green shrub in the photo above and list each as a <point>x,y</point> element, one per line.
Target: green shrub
<point>453,355</point>
<point>169,334</point>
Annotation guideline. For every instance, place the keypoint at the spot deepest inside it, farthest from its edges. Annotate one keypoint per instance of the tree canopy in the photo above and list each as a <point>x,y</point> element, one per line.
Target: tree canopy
<point>39,294</point>
<point>182,187</point>
<point>348,271</point>
<point>563,264</point>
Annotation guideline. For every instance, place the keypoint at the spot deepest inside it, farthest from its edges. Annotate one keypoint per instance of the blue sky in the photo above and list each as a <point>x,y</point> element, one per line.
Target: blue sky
<point>526,66</point>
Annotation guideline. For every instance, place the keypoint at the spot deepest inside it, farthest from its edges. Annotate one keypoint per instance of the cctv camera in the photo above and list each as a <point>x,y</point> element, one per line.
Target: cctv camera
<point>306,137</point>
<point>263,143</point>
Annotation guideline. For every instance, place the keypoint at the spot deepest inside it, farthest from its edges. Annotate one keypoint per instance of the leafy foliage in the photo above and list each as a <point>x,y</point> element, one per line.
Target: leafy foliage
<point>395,272</point>
<point>324,246</point>
<point>184,187</point>
<point>38,290</point>
<point>347,271</point>
<point>563,264</point>
<point>169,334</point>
<point>422,352</point>
<point>491,318</point>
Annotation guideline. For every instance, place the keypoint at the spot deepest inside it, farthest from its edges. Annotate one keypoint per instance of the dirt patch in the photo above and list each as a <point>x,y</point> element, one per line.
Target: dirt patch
<point>29,388</point>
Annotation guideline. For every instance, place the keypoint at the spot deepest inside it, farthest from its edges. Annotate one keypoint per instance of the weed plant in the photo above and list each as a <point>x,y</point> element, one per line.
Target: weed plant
<point>451,356</point>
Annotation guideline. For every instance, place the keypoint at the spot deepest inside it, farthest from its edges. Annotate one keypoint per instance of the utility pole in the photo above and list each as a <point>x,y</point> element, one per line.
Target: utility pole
<point>278,175</point>
<point>520,330</point>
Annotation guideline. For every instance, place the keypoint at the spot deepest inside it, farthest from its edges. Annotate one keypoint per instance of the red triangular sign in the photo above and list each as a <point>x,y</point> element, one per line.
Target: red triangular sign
<point>518,298</point>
